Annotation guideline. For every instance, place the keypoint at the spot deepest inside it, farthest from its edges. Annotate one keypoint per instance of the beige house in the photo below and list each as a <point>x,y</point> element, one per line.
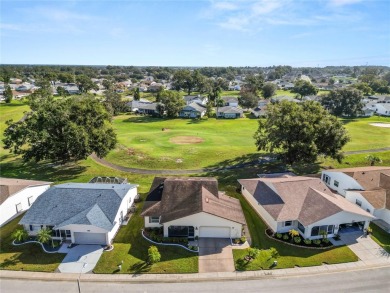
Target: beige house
<point>305,204</point>
<point>190,207</point>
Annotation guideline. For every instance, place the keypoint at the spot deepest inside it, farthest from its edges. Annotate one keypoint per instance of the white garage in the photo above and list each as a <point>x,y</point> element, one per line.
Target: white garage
<point>214,232</point>
<point>90,238</point>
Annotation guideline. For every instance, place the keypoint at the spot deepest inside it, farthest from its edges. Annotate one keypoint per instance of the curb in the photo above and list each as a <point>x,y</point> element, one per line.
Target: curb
<point>184,278</point>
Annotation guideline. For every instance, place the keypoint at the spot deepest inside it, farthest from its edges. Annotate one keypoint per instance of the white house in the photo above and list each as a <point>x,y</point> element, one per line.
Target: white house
<point>367,187</point>
<point>17,195</point>
<point>82,213</point>
<point>305,204</point>
<point>229,112</point>
<point>193,110</point>
<point>190,207</point>
<point>382,109</point>
<point>230,101</point>
<point>196,99</point>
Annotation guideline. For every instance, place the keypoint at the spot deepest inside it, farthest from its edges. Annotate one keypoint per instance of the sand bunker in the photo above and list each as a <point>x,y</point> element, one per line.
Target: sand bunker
<point>186,139</point>
<point>386,125</point>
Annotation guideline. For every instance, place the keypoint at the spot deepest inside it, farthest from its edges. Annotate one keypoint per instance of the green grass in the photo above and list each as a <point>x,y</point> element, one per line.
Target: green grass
<point>143,144</point>
<point>28,257</point>
<point>289,256</point>
<point>381,237</point>
<point>130,247</point>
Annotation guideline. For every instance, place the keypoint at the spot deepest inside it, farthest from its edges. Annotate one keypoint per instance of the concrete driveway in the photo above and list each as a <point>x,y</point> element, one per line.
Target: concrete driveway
<point>215,255</point>
<point>81,259</point>
<point>365,248</point>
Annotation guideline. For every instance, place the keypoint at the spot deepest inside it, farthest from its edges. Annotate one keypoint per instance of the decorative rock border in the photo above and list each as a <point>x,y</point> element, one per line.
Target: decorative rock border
<point>299,246</point>
<point>32,241</point>
<point>168,244</point>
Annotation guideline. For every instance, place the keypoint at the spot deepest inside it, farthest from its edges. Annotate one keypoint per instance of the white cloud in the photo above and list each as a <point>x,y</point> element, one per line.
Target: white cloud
<point>338,3</point>
<point>225,6</point>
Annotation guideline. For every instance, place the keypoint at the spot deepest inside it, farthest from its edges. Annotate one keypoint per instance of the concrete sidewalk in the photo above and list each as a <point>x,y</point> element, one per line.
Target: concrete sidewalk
<point>172,278</point>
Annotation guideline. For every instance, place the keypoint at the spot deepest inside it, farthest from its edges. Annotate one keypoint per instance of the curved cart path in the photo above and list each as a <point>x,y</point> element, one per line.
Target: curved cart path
<point>203,170</point>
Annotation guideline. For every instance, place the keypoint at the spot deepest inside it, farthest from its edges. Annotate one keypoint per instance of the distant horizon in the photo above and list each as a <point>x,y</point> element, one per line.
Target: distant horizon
<point>189,66</point>
<point>190,33</point>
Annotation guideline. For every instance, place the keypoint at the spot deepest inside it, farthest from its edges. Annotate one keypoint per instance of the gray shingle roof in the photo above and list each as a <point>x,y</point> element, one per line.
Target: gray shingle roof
<point>78,203</point>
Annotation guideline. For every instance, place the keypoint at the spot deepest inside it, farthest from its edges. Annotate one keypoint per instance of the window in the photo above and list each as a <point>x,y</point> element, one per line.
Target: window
<point>359,202</point>
<point>178,231</point>
<point>326,178</point>
<point>287,223</point>
<point>317,230</point>
<point>336,183</point>
<point>301,228</point>
<point>19,207</point>
<point>30,201</point>
<point>154,219</point>
<point>68,234</point>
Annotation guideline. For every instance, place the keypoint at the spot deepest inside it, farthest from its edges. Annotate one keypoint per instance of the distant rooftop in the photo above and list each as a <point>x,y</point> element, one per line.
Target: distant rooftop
<point>108,180</point>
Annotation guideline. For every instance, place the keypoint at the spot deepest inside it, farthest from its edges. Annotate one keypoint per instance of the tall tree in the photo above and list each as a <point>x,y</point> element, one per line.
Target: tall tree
<point>114,104</point>
<point>8,94</point>
<point>304,88</point>
<point>364,88</point>
<point>62,92</point>
<point>299,132</point>
<point>62,130</point>
<point>268,89</point>
<point>173,102</point>
<point>182,79</point>
<point>346,101</point>
<point>137,95</point>
<point>248,100</point>
<point>253,83</point>
<point>85,83</point>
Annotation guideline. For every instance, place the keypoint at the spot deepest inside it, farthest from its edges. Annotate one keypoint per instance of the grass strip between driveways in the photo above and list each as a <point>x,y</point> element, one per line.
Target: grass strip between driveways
<point>380,236</point>
<point>131,248</point>
<point>28,257</point>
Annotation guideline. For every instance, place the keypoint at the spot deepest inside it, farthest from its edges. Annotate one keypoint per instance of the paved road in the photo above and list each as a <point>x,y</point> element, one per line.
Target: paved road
<point>204,170</point>
<point>373,280</point>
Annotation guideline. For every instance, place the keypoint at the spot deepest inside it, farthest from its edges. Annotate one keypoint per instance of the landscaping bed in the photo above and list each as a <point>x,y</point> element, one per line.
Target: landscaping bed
<point>28,257</point>
<point>380,236</point>
<point>299,241</point>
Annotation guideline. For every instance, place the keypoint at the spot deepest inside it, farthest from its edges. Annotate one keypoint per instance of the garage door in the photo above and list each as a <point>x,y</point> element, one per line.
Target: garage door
<point>214,232</point>
<point>90,238</point>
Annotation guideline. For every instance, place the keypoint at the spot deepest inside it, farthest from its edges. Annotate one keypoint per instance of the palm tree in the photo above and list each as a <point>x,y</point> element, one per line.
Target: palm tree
<point>372,159</point>
<point>20,235</point>
<point>44,236</point>
<point>293,233</point>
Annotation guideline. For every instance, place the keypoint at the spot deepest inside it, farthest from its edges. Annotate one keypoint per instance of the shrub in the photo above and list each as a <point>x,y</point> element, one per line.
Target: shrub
<point>279,235</point>
<point>317,241</point>
<point>253,252</point>
<point>297,239</point>
<point>307,241</point>
<point>236,241</point>
<point>273,252</point>
<point>243,239</point>
<point>286,237</point>
<point>154,255</point>
<point>326,240</point>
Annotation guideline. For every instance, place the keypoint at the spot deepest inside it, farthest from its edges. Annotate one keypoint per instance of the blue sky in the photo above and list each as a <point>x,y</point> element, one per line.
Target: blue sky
<point>196,33</point>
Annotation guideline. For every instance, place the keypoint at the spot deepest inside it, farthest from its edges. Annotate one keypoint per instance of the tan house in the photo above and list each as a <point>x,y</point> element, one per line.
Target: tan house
<point>190,207</point>
<point>305,204</point>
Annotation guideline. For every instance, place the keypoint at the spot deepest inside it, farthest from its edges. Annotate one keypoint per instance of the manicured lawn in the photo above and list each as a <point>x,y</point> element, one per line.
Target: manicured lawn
<point>130,247</point>
<point>380,237</point>
<point>28,257</point>
<point>365,136</point>
<point>143,144</point>
<point>289,256</point>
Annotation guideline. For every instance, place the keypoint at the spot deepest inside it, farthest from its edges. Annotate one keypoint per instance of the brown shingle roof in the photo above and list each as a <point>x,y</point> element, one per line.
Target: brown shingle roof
<point>10,186</point>
<point>367,177</point>
<point>297,198</point>
<point>174,198</point>
<point>376,183</point>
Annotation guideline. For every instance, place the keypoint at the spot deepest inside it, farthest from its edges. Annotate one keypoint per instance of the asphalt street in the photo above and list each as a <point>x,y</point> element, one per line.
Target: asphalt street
<point>372,280</point>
